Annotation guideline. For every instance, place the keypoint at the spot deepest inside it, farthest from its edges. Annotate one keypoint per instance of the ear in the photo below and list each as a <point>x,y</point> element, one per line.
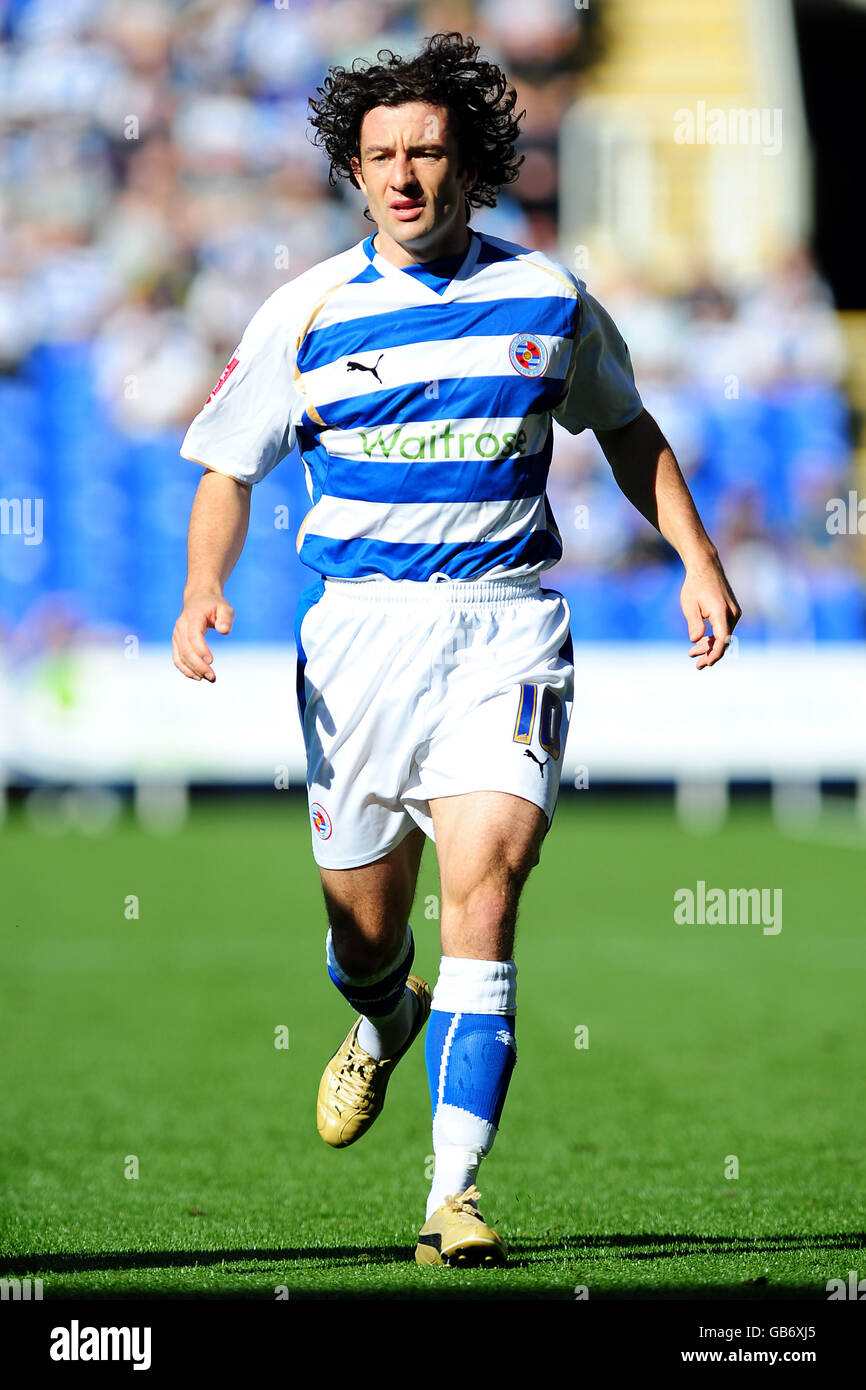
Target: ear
<point>355,165</point>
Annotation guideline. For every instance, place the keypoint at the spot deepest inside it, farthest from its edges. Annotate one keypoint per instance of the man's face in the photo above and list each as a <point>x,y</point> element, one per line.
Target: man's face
<point>410,171</point>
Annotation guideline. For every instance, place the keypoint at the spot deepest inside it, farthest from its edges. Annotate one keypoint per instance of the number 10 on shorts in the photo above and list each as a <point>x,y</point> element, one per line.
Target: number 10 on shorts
<point>549,723</point>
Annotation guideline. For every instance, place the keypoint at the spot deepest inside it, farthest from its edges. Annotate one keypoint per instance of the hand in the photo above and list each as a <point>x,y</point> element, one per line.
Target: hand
<point>192,656</point>
<point>707,596</point>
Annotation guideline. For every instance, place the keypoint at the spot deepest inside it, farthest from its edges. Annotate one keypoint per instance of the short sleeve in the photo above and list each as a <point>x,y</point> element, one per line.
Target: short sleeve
<point>247,424</point>
<point>600,393</point>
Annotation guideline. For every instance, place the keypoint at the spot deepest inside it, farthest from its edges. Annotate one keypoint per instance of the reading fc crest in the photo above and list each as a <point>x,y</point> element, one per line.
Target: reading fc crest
<point>528,354</point>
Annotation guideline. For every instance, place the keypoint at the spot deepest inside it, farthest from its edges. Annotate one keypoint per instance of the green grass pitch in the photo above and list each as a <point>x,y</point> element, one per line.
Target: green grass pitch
<point>154,1038</point>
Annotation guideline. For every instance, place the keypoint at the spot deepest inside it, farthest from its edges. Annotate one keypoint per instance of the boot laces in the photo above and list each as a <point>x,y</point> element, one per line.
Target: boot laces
<point>462,1203</point>
<point>355,1083</point>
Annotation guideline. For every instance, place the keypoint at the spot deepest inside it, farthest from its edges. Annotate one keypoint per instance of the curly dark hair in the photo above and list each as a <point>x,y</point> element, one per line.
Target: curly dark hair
<point>447,72</point>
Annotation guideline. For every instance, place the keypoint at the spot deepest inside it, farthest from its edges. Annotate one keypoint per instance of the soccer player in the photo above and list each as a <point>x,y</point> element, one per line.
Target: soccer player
<point>418,374</point>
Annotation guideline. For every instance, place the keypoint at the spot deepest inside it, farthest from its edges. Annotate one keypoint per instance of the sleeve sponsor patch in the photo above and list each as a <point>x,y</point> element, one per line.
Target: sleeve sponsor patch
<point>224,375</point>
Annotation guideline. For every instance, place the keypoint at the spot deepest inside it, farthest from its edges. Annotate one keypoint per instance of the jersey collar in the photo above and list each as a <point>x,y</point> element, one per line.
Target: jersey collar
<point>426,284</point>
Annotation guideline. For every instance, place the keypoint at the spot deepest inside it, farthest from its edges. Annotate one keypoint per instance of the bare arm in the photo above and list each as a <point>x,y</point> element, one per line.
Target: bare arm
<point>217,531</point>
<point>644,466</point>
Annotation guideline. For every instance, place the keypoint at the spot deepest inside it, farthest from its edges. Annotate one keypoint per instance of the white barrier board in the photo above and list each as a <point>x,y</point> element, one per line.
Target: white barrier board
<point>99,715</point>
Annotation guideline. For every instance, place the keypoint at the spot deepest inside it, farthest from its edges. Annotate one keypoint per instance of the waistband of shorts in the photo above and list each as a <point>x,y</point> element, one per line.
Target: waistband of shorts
<point>437,589</point>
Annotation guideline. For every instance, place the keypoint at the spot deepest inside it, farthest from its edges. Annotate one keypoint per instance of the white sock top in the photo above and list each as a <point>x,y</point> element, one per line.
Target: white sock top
<point>476,986</point>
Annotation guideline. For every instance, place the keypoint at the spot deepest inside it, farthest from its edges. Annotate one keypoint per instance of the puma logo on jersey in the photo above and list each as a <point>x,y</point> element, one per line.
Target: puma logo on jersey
<point>528,753</point>
<point>360,367</point>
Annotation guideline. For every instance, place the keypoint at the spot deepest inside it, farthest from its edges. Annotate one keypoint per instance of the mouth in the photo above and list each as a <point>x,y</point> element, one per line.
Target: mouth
<point>405,210</point>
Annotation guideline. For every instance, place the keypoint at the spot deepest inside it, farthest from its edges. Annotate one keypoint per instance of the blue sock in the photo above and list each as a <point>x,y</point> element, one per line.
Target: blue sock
<point>375,995</point>
<point>471,1052</point>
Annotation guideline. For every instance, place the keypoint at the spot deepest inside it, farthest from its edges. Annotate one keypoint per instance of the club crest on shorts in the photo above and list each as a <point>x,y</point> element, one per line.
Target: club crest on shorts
<point>528,354</point>
<point>321,821</point>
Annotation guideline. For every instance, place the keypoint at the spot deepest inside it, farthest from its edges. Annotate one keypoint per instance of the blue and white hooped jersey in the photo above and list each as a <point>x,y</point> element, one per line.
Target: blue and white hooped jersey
<point>422,401</point>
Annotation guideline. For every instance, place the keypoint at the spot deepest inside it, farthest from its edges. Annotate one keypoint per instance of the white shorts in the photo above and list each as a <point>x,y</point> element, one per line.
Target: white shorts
<point>410,691</point>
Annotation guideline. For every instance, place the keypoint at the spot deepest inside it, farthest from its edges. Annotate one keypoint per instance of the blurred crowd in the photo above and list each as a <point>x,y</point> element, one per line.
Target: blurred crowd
<point>747,383</point>
<point>158,183</point>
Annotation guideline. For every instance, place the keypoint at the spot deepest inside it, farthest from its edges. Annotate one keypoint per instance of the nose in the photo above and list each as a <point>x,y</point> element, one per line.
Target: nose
<point>403,172</point>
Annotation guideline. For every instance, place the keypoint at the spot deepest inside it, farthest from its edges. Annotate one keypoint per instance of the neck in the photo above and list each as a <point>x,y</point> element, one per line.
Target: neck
<point>455,244</point>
